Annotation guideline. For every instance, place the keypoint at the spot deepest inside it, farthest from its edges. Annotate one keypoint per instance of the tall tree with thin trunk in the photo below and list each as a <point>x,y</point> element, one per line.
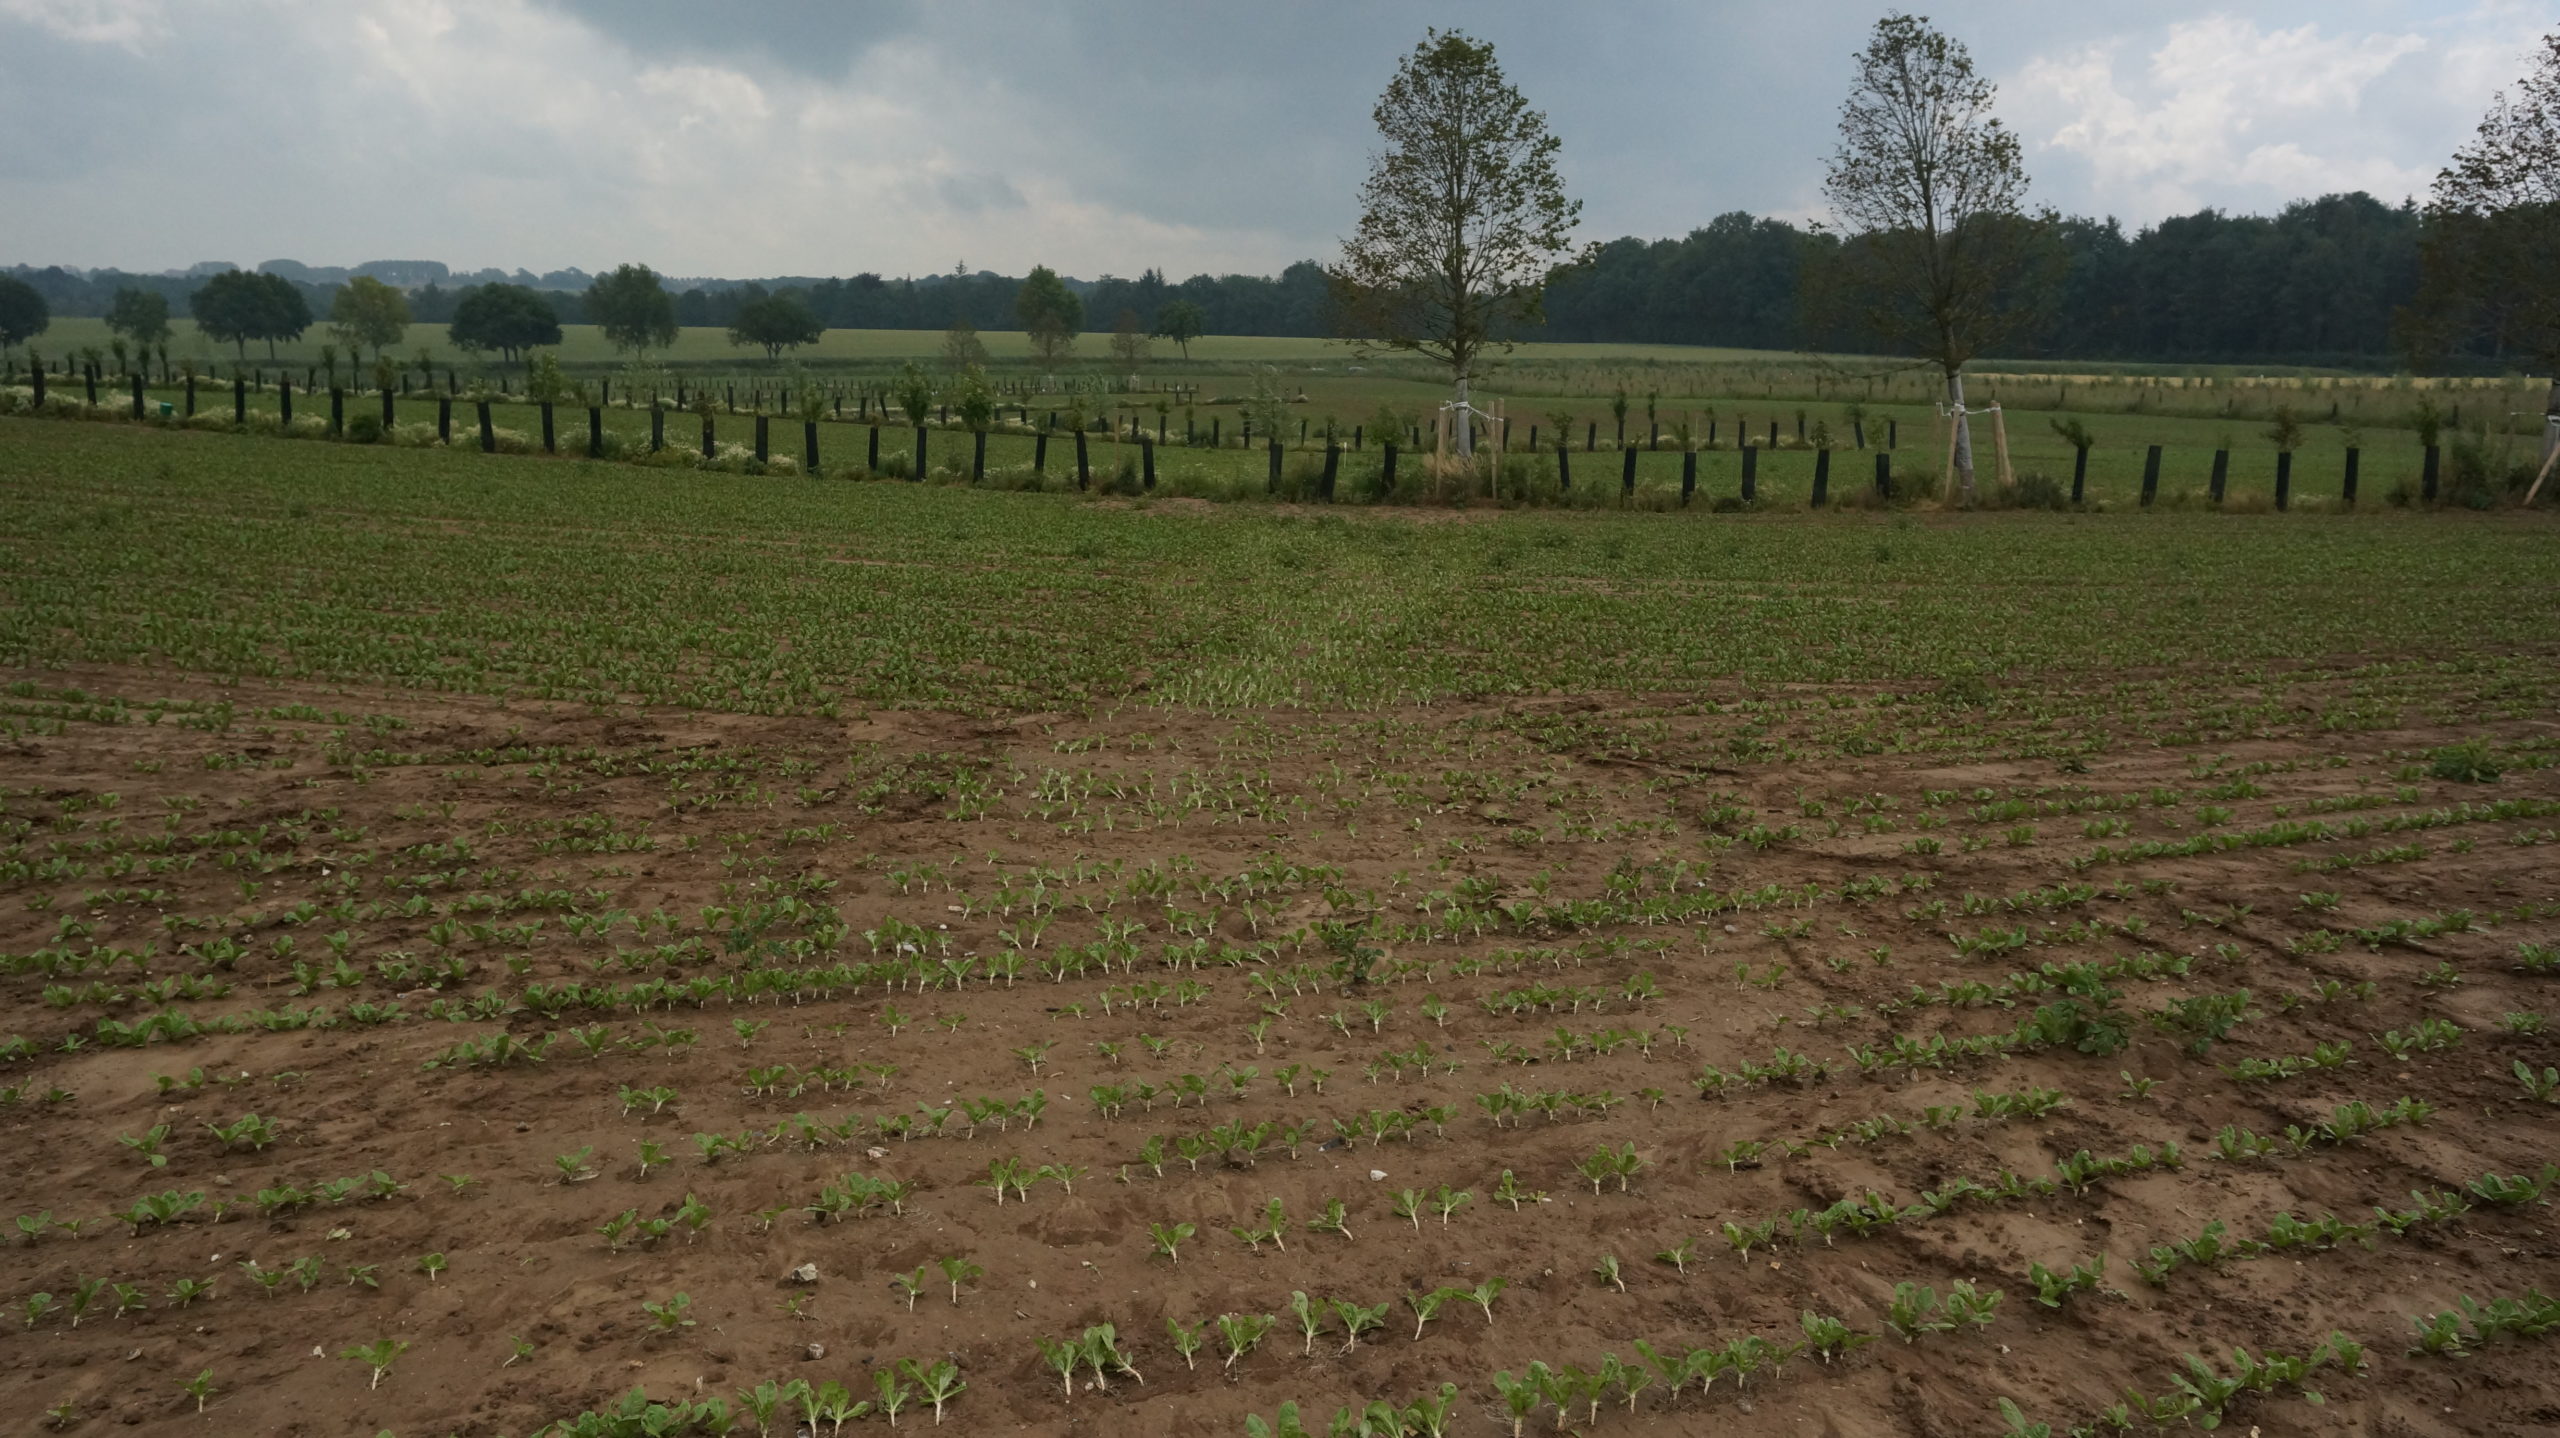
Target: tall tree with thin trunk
<point>1463,217</point>
<point>1939,257</point>
<point>368,312</point>
<point>2492,227</point>
<point>1180,321</point>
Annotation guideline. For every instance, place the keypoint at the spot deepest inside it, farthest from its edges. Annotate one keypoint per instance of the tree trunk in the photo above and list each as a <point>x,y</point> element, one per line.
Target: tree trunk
<point>1963,477</point>
<point>1464,436</point>
<point>2551,422</point>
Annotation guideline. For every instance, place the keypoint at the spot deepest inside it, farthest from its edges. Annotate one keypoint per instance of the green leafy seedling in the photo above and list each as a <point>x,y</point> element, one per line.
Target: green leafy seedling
<point>910,1284</point>
<point>957,1271</point>
<point>378,1355</point>
<point>670,1316</point>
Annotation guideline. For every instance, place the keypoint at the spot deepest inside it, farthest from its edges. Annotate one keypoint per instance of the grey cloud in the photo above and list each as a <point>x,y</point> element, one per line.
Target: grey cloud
<point>1113,134</point>
<point>974,194</point>
<point>818,39</point>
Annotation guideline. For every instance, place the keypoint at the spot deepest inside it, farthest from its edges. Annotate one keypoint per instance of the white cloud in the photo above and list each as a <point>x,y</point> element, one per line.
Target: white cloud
<point>507,132</point>
<point>2221,112</point>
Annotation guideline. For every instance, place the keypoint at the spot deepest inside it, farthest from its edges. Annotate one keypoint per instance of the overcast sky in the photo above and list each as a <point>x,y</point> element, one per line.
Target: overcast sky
<point>762,137</point>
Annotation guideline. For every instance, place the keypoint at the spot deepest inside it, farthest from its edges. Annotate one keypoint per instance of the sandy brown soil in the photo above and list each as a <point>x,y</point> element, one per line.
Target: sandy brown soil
<point>975,829</point>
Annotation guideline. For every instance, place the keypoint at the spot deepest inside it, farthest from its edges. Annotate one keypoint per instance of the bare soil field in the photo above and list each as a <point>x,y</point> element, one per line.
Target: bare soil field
<point>550,1042</point>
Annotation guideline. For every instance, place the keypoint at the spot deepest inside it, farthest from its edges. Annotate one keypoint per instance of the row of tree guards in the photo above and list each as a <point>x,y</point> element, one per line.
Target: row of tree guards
<point>1442,466</point>
<point>1128,426</point>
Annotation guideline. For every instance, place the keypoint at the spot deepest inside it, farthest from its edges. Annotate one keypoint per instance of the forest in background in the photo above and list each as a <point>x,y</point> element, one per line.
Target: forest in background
<point>2319,283</point>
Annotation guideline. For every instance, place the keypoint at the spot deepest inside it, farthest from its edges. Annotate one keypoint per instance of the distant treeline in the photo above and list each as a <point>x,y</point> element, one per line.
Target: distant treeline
<point>2319,283</point>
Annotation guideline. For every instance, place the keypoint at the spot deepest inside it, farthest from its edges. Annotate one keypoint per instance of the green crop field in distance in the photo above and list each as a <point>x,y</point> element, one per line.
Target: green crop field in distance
<point>238,556</point>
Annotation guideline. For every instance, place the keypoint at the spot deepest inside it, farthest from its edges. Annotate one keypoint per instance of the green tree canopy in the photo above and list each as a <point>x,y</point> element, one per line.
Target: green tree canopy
<point>510,319</point>
<point>635,311</point>
<point>2493,225</point>
<point>1180,321</point>
<point>368,312</point>
<point>913,390</point>
<point>973,399</point>
<point>777,322</point>
<point>1941,259</point>
<point>237,306</point>
<point>23,312</point>
<point>1463,216</point>
<point>141,316</point>
<point>1050,313</point>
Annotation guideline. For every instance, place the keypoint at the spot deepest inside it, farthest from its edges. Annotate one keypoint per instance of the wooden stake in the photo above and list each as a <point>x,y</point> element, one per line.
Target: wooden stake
<point>1440,440</point>
<point>2000,444</point>
<point>2541,476</point>
<point>1947,472</point>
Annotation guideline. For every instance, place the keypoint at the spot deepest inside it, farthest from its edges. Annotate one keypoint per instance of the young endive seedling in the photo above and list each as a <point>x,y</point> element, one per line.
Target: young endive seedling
<point>379,1356</point>
<point>1242,1332</point>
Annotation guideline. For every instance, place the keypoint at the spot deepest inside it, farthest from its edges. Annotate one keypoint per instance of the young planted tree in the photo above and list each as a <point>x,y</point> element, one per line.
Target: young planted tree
<point>1180,321</point>
<point>961,346</point>
<point>1051,314</point>
<point>635,311</point>
<point>975,403</point>
<point>141,316</point>
<point>510,319</point>
<point>2492,222</point>
<point>1463,216</point>
<point>1939,258</point>
<point>1128,342</point>
<point>23,312</point>
<point>914,393</point>
<point>777,322</point>
<point>368,312</point>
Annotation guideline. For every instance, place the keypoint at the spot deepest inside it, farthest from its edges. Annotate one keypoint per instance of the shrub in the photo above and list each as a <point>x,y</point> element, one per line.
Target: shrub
<point>364,429</point>
<point>2468,762</point>
<point>2032,490</point>
<point>2477,476</point>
